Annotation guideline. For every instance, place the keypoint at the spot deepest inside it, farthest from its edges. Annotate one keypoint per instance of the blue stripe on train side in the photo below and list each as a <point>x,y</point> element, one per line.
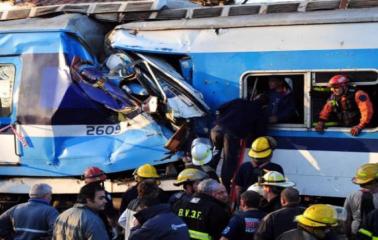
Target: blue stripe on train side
<point>217,75</point>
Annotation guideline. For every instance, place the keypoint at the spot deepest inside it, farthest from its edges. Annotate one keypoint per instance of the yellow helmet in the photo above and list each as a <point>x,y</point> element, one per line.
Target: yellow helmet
<point>318,215</point>
<point>146,171</point>
<point>366,173</point>
<point>190,174</point>
<point>274,178</point>
<point>261,148</point>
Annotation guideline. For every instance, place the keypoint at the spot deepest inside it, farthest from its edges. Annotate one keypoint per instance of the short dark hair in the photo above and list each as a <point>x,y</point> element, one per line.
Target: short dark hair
<point>146,202</point>
<point>88,191</point>
<point>148,188</point>
<point>291,195</point>
<point>251,199</point>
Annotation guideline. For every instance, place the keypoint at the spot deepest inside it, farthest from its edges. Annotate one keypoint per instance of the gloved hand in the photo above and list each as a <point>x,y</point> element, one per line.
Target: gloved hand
<point>320,127</point>
<point>355,130</point>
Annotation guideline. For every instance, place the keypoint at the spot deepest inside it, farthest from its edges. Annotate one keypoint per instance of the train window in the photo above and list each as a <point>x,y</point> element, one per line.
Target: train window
<point>357,77</point>
<point>360,80</point>
<point>7,75</point>
<point>286,102</point>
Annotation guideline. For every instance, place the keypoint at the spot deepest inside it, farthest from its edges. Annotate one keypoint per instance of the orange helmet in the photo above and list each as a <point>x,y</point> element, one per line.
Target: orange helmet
<point>94,174</point>
<point>338,81</point>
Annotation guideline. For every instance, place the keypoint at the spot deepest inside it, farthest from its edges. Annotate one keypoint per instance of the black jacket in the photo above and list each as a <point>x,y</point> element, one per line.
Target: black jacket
<point>278,222</point>
<point>242,118</point>
<point>369,226</point>
<point>160,223</point>
<point>204,215</point>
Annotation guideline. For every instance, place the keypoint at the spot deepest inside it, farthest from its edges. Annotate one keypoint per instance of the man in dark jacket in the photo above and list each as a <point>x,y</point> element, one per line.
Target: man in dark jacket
<point>157,221</point>
<point>282,220</point>
<point>243,225</point>
<point>236,120</point>
<point>31,220</point>
<point>207,213</point>
<point>250,172</point>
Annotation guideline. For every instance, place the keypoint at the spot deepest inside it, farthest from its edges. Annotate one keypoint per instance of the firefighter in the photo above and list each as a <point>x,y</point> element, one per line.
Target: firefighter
<point>109,215</point>
<point>202,154</point>
<point>260,153</point>
<point>145,171</point>
<point>207,212</point>
<point>317,222</point>
<point>351,108</point>
<point>369,227</point>
<point>189,178</point>
<point>358,204</point>
<point>273,184</point>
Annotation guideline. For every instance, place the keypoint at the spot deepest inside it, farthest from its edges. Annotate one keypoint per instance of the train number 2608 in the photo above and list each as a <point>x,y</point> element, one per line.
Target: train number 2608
<point>103,129</point>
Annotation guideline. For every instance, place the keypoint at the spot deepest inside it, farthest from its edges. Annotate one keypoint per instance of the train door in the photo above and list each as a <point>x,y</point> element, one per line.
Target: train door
<point>9,151</point>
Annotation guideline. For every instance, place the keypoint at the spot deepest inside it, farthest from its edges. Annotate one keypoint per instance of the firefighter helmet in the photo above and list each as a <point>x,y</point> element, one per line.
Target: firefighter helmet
<point>94,174</point>
<point>260,148</point>
<point>256,187</point>
<point>366,173</point>
<point>318,215</point>
<point>201,153</point>
<point>338,81</point>
<point>190,175</point>
<point>274,178</point>
<point>146,171</point>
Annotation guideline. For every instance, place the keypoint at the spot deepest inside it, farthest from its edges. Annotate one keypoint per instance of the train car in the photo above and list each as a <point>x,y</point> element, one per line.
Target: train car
<point>56,120</point>
<point>231,51</point>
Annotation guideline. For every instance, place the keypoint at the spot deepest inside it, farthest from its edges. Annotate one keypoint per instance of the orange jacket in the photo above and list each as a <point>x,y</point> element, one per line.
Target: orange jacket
<point>363,103</point>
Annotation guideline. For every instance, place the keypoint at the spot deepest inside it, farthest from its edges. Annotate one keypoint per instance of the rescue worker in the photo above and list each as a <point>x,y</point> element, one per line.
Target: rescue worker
<point>146,171</point>
<point>281,101</point>
<point>82,221</point>
<point>207,213</point>
<point>31,220</point>
<point>282,220</point>
<point>261,152</point>
<point>273,184</point>
<point>317,222</point>
<point>358,204</point>
<point>202,154</point>
<point>350,107</point>
<point>236,120</point>
<point>109,215</point>
<point>157,221</point>
<point>243,225</point>
<point>189,178</point>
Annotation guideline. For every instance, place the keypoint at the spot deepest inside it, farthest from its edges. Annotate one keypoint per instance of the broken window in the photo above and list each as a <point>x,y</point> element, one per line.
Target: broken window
<point>289,105</point>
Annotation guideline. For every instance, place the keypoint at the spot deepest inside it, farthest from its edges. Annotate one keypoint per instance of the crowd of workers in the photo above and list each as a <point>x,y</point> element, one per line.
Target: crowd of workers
<point>266,205</point>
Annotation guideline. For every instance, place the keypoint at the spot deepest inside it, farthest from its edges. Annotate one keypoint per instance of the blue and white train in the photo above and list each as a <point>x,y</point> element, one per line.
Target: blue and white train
<point>227,57</point>
<point>54,127</point>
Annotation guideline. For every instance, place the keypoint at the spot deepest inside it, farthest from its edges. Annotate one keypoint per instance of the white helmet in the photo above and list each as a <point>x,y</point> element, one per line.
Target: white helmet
<point>256,187</point>
<point>201,153</point>
<point>274,178</point>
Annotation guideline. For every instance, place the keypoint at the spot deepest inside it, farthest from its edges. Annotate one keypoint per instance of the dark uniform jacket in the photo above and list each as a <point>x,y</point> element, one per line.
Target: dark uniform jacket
<point>243,225</point>
<point>205,216</point>
<point>369,227</point>
<point>159,223</point>
<point>278,222</point>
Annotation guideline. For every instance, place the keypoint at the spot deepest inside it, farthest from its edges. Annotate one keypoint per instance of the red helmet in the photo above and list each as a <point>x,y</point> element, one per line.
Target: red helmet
<point>338,81</point>
<point>94,174</point>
